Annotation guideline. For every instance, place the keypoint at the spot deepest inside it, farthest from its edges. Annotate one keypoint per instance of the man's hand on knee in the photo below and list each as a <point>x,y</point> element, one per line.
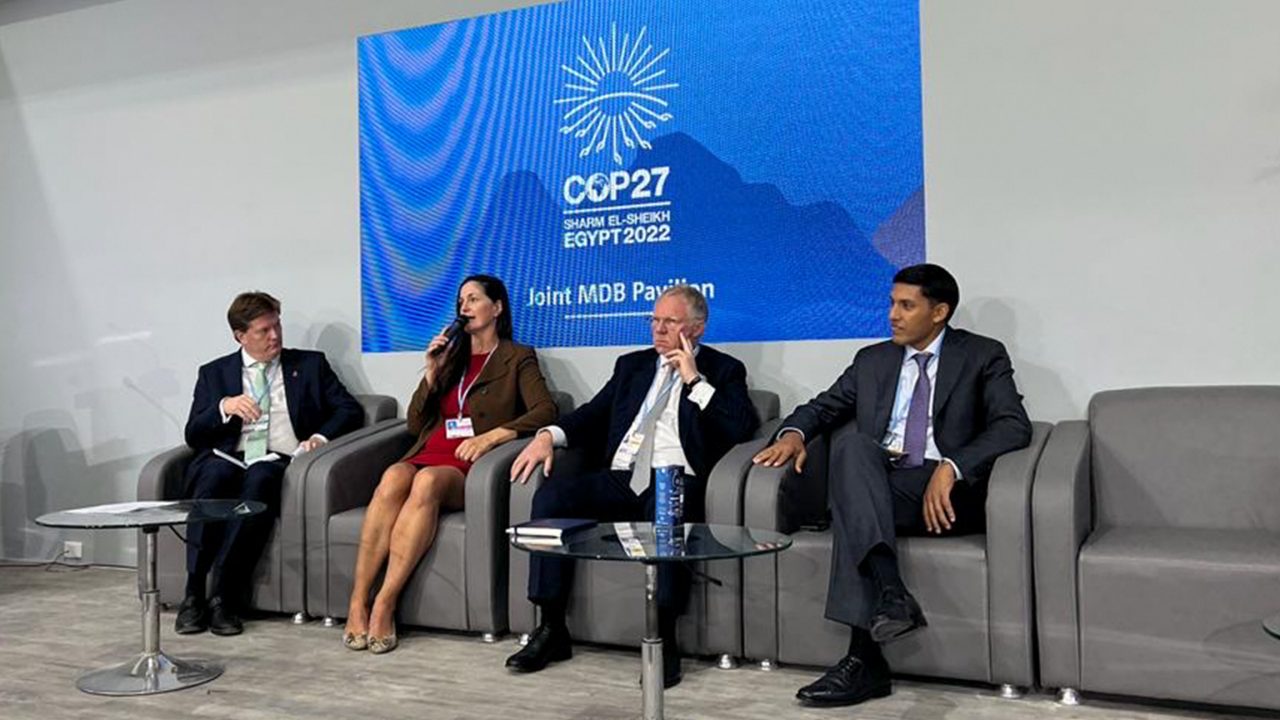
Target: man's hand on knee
<point>782,451</point>
<point>938,513</point>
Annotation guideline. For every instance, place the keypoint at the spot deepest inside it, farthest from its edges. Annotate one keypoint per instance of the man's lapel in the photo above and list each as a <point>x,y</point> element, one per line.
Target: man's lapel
<point>951,359</point>
<point>292,386</point>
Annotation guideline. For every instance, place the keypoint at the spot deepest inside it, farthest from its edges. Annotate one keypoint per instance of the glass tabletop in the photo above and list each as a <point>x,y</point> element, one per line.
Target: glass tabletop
<point>1272,625</point>
<point>151,513</point>
<point>642,542</point>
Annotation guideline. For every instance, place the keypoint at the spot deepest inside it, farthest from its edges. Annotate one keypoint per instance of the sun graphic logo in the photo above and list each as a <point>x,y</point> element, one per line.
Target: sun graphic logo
<point>613,95</point>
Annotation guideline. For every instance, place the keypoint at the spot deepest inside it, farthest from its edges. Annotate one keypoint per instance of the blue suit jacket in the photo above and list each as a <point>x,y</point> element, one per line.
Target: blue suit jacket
<point>705,435</point>
<point>318,403</point>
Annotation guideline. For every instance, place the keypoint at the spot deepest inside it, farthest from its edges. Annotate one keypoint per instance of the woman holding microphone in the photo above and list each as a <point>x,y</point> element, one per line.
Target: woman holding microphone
<point>480,390</point>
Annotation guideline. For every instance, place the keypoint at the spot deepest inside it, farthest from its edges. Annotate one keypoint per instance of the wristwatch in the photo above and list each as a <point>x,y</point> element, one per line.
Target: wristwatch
<point>696,379</point>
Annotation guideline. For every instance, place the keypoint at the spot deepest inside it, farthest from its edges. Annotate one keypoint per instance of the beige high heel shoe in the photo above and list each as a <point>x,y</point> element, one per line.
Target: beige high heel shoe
<point>380,645</point>
<point>355,641</point>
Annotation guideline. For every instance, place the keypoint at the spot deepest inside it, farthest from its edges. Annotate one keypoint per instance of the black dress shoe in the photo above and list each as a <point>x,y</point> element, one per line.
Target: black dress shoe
<point>850,681</point>
<point>193,616</point>
<point>896,616</point>
<point>222,619</point>
<point>546,645</point>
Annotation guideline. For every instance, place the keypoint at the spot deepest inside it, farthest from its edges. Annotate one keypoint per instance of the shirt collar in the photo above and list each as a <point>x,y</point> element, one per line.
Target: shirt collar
<point>934,347</point>
<point>662,359</point>
<point>247,360</point>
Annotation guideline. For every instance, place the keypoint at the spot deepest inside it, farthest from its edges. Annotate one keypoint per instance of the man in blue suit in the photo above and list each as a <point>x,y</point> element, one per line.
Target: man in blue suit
<point>694,399</point>
<point>252,411</point>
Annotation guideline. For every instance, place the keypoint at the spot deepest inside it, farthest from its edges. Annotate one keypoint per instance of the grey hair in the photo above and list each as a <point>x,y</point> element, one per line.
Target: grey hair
<point>693,297</point>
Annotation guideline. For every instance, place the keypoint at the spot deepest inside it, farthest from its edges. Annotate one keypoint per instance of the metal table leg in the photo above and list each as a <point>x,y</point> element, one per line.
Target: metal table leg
<point>651,647</point>
<point>152,671</point>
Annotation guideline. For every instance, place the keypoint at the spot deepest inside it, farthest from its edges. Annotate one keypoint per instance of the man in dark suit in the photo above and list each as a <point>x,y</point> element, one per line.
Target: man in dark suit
<point>252,411</point>
<point>694,399</point>
<point>934,407</point>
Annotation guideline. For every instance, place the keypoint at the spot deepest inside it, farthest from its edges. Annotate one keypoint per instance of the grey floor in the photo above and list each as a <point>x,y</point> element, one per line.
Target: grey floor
<point>56,624</point>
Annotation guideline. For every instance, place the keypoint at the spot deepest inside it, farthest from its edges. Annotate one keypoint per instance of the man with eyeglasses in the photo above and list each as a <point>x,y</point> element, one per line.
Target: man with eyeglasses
<point>694,399</point>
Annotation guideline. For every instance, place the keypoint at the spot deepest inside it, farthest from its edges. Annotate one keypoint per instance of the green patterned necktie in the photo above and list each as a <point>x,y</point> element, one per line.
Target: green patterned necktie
<point>255,445</point>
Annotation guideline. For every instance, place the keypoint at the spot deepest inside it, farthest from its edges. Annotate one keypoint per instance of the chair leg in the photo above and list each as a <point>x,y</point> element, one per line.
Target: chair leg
<point>768,665</point>
<point>727,662</point>
<point>1010,692</point>
<point>488,637</point>
<point>523,639</point>
<point>300,618</point>
<point>1069,696</point>
<point>329,621</point>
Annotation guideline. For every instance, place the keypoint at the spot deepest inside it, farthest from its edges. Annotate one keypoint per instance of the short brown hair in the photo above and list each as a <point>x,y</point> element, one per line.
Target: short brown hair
<point>250,306</point>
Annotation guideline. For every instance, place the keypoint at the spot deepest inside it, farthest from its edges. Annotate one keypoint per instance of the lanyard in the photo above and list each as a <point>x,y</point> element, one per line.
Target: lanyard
<point>662,390</point>
<point>462,392</point>
<point>267,374</point>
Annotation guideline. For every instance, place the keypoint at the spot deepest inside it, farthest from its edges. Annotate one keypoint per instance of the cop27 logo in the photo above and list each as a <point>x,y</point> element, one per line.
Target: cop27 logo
<point>614,94</point>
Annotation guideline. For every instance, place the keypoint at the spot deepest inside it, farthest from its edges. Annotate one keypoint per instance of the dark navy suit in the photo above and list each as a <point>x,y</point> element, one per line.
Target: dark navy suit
<point>977,416</point>
<point>317,403</point>
<point>599,427</point>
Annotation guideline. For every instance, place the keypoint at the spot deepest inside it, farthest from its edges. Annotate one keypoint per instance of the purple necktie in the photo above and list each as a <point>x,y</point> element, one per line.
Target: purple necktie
<point>917,432</point>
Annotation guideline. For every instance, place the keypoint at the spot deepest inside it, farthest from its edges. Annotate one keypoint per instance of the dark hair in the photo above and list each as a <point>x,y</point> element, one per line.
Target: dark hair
<point>935,283</point>
<point>249,306</point>
<point>459,354</point>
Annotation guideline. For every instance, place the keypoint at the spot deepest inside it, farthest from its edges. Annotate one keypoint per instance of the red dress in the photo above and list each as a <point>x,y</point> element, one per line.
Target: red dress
<point>438,449</point>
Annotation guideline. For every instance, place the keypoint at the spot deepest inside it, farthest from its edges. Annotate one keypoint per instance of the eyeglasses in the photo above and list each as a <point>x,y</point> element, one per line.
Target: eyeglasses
<point>668,322</point>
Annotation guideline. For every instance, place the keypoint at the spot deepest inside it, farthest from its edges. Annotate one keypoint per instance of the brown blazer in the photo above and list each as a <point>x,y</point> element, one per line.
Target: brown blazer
<point>509,393</point>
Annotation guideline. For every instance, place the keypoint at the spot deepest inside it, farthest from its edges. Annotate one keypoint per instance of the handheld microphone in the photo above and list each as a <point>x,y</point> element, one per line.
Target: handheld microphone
<point>452,332</point>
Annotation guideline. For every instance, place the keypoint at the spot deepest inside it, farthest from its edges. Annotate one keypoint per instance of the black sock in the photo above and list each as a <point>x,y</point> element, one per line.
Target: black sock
<point>860,642</point>
<point>882,565</point>
<point>553,614</point>
<point>667,626</point>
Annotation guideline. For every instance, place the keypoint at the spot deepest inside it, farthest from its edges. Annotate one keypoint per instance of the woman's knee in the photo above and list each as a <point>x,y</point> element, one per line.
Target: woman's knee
<point>432,485</point>
<point>395,483</point>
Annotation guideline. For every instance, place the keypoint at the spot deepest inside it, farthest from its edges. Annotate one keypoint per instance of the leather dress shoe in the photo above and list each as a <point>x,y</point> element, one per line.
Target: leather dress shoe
<point>848,682</point>
<point>896,616</point>
<point>193,616</point>
<point>546,645</point>
<point>222,619</point>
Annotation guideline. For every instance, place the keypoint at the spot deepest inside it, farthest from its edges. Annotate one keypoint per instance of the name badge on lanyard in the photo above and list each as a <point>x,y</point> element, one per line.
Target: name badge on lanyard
<point>461,427</point>
<point>455,428</point>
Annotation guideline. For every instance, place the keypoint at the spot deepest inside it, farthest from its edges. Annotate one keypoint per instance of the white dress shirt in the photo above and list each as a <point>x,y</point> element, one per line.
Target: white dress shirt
<point>667,449</point>
<point>895,436</point>
<point>280,437</point>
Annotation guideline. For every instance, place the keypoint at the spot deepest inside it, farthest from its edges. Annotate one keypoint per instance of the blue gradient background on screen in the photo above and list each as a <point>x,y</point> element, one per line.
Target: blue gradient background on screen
<point>795,148</point>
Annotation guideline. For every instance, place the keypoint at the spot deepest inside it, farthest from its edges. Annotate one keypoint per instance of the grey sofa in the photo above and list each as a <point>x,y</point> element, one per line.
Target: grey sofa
<point>279,583</point>
<point>976,590</point>
<point>607,601</point>
<point>1157,546</point>
<point>460,584</point>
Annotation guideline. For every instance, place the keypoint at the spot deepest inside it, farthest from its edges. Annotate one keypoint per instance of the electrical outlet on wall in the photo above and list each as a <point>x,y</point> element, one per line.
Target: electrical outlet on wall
<point>72,550</point>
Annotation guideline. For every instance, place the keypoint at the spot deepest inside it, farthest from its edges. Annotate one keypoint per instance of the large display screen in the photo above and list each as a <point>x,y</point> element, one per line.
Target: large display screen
<point>593,152</point>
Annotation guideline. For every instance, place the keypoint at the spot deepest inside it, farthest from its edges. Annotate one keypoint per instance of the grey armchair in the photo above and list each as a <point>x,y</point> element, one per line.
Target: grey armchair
<point>607,601</point>
<point>976,590</point>
<point>1157,546</point>
<point>279,583</point>
<point>460,584</point>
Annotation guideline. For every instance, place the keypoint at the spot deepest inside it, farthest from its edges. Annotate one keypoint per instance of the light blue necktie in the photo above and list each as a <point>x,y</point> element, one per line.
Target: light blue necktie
<point>255,445</point>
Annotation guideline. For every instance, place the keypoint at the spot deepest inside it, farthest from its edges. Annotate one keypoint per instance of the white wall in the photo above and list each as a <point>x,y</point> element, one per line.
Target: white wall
<point>1103,177</point>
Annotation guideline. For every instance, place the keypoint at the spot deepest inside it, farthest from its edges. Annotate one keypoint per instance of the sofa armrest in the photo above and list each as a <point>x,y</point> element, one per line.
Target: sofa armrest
<point>377,408</point>
<point>1009,562</point>
<point>1061,518</point>
<point>726,487</point>
<point>780,499</point>
<point>162,477</point>
<point>488,491</point>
